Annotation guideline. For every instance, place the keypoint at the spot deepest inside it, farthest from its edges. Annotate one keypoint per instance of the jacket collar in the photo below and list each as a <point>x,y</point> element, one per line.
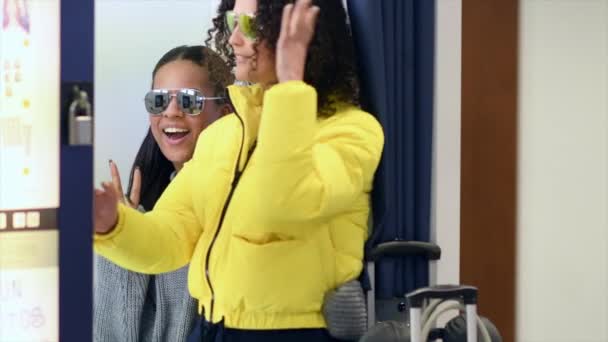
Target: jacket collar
<point>247,102</point>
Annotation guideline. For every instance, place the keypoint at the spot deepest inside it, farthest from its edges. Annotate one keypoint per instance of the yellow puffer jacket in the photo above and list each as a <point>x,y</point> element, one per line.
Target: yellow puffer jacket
<point>294,227</point>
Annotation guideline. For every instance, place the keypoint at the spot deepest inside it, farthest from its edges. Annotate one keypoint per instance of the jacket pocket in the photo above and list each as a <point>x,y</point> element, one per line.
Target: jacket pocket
<point>278,276</point>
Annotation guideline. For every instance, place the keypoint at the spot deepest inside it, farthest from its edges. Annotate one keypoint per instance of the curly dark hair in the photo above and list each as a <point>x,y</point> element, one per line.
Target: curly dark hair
<point>330,65</point>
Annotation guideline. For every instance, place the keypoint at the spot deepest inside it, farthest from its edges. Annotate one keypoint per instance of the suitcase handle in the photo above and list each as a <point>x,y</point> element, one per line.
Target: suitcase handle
<point>394,249</point>
<point>467,293</point>
<point>401,249</point>
<point>416,299</point>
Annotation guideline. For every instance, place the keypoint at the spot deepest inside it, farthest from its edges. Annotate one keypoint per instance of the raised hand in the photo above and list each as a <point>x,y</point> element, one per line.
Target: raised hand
<point>134,197</point>
<point>107,198</point>
<point>105,208</point>
<point>297,29</point>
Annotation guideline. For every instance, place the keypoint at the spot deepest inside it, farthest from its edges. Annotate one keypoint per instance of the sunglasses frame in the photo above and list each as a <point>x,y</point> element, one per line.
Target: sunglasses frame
<point>250,34</point>
<point>176,93</point>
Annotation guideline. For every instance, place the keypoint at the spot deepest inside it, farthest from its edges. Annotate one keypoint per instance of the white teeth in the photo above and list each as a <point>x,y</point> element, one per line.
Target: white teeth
<point>175,130</point>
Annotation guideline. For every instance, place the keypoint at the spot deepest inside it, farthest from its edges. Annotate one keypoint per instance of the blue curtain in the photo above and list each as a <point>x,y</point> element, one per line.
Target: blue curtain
<point>394,41</point>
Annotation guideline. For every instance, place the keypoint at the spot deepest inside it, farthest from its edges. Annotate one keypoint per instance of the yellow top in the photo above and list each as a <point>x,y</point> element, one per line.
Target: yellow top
<point>295,224</point>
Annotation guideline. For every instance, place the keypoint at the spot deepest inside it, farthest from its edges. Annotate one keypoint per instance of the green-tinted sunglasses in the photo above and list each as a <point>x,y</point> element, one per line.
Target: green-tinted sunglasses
<point>246,24</point>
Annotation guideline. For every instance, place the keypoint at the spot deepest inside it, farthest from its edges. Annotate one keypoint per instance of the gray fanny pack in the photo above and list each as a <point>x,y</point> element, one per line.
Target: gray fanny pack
<point>345,311</point>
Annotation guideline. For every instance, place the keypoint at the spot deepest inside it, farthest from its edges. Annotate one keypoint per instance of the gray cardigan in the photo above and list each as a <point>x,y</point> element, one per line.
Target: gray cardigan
<point>134,307</point>
<point>130,306</point>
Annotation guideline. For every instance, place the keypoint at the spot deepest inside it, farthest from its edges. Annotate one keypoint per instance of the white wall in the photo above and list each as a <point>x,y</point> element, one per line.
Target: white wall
<point>130,37</point>
<point>445,210</point>
<point>563,155</point>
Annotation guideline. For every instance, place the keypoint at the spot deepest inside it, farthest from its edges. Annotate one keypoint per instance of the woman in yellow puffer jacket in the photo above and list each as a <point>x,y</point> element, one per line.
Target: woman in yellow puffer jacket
<point>271,212</point>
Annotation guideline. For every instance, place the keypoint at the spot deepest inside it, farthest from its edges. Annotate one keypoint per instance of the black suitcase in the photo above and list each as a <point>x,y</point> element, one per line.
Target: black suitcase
<point>425,305</point>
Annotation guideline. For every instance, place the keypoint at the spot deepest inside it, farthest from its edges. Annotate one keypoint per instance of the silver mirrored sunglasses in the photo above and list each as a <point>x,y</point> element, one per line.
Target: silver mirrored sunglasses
<point>189,101</point>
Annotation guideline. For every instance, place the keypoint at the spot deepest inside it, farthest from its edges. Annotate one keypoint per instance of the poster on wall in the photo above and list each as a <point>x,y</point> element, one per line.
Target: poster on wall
<point>29,169</point>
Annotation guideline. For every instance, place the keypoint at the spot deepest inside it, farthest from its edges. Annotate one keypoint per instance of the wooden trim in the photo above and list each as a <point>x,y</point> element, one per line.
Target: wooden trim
<point>489,156</point>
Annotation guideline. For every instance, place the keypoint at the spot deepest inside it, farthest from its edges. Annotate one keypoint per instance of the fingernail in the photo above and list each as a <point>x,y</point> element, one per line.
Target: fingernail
<point>110,161</point>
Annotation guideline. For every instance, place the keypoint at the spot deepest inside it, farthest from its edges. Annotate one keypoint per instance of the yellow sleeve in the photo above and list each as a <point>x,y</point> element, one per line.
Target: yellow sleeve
<point>305,173</point>
<point>161,240</point>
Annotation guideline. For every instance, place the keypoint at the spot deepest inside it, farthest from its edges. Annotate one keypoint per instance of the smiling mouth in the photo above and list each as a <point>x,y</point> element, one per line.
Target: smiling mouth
<point>174,134</point>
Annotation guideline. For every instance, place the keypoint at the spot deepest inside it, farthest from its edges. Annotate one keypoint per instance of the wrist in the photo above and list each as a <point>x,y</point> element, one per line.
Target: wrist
<point>289,79</point>
<point>108,229</point>
<point>291,76</point>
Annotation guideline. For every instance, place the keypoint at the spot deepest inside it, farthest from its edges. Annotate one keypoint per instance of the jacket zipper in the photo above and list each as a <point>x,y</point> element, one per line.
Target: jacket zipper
<point>235,181</point>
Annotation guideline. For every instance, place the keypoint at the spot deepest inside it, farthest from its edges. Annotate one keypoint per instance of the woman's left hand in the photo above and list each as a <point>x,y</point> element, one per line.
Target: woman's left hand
<point>297,30</point>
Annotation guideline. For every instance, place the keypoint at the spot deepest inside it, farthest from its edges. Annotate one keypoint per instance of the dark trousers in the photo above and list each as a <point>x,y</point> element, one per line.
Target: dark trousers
<point>207,332</point>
